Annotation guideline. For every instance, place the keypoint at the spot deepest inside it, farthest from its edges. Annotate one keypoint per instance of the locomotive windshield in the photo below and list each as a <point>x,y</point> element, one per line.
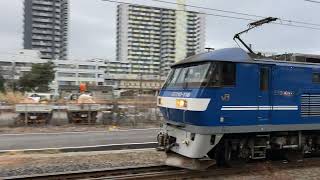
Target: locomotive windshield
<point>188,76</point>
<point>210,74</point>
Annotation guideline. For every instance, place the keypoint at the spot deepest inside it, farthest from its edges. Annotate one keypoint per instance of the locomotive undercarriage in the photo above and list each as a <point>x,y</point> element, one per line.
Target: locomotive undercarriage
<point>289,146</point>
<point>227,149</point>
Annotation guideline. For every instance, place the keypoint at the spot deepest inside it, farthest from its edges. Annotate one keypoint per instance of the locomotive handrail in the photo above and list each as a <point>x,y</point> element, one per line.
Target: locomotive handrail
<point>287,62</point>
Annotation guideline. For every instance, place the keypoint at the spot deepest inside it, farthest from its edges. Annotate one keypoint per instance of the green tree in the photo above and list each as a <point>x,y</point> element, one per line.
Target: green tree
<point>38,79</point>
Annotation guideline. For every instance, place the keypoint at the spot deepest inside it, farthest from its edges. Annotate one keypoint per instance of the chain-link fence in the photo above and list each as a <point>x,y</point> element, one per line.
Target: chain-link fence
<point>132,111</point>
<point>139,111</point>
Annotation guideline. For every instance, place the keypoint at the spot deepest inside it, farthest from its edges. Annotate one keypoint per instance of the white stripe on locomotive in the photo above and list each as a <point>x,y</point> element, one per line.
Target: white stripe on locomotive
<point>255,108</point>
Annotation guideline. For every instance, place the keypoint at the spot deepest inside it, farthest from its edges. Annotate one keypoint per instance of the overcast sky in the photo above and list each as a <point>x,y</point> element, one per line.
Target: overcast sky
<point>92,31</point>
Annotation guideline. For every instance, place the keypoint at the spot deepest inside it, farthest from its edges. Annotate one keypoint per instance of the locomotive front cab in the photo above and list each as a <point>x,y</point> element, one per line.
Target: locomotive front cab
<point>188,94</point>
<point>191,101</point>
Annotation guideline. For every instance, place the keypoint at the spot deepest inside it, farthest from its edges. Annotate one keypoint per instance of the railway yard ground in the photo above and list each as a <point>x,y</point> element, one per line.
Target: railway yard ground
<point>55,161</point>
<point>22,164</point>
<point>79,141</point>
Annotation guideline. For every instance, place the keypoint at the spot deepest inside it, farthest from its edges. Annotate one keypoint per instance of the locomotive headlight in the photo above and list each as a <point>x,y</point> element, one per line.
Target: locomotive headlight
<point>181,103</point>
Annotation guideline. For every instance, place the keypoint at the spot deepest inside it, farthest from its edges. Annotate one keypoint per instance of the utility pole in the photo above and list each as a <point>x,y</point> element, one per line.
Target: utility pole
<point>13,72</point>
<point>140,80</point>
<point>181,31</point>
<point>140,88</point>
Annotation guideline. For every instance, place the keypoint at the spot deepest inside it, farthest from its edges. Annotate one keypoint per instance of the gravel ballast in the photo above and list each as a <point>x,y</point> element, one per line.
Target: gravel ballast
<point>28,164</point>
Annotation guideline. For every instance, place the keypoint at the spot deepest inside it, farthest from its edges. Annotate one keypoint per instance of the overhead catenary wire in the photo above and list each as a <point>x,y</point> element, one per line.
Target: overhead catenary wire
<point>230,17</point>
<point>239,13</point>
<point>313,1</point>
<point>218,15</point>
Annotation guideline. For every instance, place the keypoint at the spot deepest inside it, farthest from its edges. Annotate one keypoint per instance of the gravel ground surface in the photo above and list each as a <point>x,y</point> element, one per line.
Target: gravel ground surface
<point>312,173</point>
<point>27,164</point>
<point>70,128</point>
<point>265,171</point>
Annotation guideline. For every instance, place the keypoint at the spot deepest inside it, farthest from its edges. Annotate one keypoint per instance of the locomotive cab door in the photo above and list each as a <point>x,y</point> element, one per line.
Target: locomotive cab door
<point>264,102</point>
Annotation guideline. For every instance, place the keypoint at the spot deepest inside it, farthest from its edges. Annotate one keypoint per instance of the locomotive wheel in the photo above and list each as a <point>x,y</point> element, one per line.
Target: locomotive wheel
<point>227,154</point>
<point>293,155</point>
<point>277,155</point>
<point>218,156</point>
<point>223,154</point>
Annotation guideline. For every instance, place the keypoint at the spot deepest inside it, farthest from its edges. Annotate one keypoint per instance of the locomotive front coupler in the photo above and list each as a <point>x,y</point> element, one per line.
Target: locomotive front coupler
<point>161,138</point>
<point>169,146</point>
<point>165,142</point>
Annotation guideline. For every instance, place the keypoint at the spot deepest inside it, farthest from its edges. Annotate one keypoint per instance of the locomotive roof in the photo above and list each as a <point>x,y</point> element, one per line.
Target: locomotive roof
<point>238,55</point>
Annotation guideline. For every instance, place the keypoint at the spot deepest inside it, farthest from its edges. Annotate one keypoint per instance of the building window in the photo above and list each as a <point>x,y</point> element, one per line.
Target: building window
<point>86,67</point>
<point>5,64</point>
<point>66,66</point>
<point>87,75</point>
<point>21,64</point>
<point>67,83</point>
<point>61,74</point>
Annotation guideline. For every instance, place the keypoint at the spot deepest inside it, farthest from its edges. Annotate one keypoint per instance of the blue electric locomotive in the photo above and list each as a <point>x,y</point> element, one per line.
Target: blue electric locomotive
<point>227,105</point>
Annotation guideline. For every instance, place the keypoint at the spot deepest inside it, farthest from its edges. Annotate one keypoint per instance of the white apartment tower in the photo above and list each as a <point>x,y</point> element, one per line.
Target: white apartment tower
<point>154,38</point>
<point>46,27</point>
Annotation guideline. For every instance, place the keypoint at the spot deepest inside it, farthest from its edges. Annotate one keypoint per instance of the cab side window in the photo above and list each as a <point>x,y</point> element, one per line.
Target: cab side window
<point>228,74</point>
<point>223,74</point>
<point>316,78</point>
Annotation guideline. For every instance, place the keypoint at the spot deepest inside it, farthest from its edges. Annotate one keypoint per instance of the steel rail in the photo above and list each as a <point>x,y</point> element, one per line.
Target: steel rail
<point>166,172</point>
<point>97,173</point>
<point>108,147</point>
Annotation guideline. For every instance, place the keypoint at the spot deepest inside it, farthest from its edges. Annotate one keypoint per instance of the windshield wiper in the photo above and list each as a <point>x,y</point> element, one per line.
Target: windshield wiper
<point>185,84</point>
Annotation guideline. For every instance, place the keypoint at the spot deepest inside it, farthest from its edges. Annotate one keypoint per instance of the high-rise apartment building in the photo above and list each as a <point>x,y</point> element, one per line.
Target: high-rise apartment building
<point>46,27</point>
<point>154,38</point>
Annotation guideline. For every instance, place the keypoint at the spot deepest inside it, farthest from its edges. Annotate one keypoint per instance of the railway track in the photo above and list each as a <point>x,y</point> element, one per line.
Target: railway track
<point>114,173</point>
<point>167,172</point>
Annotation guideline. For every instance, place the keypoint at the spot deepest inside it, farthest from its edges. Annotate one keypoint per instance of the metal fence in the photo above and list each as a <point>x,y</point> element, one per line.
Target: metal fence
<point>132,111</point>
<point>126,111</point>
